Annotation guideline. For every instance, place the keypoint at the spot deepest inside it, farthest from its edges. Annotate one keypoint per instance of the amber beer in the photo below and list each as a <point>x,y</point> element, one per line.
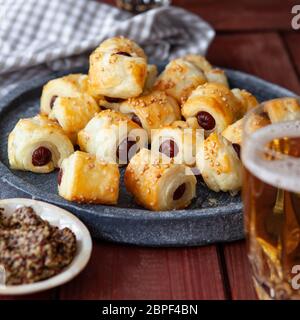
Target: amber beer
<point>271,195</point>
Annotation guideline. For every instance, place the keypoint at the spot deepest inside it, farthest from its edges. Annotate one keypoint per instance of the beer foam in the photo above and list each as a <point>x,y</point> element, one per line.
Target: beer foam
<point>283,173</point>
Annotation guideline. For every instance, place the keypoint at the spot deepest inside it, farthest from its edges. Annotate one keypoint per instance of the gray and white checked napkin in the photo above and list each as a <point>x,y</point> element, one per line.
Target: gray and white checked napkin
<point>41,35</point>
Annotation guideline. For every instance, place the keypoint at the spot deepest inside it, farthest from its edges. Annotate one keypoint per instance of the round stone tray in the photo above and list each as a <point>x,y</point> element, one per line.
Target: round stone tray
<point>212,217</point>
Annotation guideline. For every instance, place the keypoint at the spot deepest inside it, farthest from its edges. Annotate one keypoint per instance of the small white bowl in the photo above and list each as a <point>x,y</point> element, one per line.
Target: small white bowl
<point>60,218</point>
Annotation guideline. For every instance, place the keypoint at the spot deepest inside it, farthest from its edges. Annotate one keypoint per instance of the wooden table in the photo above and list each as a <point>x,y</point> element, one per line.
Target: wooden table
<point>254,36</point>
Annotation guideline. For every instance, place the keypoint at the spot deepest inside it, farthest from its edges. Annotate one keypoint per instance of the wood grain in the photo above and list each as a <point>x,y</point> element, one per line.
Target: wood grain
<point>261,54</point>
<point>239,15</point>
<point>239,271</point>
<point>122,272</point>
<point>292,41</point>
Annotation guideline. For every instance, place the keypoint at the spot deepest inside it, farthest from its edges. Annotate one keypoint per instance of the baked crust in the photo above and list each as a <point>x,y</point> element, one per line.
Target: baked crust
<point>118,69</point>
<point>85,179</point>
<point>283,109</point>
<point>179,79</point>
<point>154,110</point>
<point>217,100</point>
<point>104,133</point>
<point>152,181</point>
<point>185,139</point>
<point>219,164</point>
<point>70,86</point>
<point>33,133</point>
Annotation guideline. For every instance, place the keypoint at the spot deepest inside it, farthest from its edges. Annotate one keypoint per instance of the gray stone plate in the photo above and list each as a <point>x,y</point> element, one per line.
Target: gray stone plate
<point>212,217</point>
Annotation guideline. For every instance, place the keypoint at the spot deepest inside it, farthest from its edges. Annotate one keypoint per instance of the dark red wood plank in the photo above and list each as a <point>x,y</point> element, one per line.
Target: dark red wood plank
<point>239,271</point>
<point>123,272</point>
<point>261,54</point>
<point>292,41</point>
<point>232,15</point>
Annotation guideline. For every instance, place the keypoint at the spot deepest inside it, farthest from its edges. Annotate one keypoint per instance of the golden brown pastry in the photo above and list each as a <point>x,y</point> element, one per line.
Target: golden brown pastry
<point>109,103</point>
<point>218,76</point>
<point>234,132</point>
<point>38,145</point>
<point>219,164</point>
<point>211,74</point>
<point>214,107</point>
<point>199,61</point>
<point>71,86</point>
<point>247,100</point>
<point>283,109</point>
<point>177,142</point>
<point>112,136</point>
<point>159,186</point>
<point>179,79</point>
<point>82,178</point>
<point>118,69</point>
<point>152,111</point>
<point>151,77</point>
<point>73,114</point>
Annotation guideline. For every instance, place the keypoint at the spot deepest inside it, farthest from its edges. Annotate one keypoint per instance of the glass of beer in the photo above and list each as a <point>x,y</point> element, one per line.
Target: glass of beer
<point>271,196</point>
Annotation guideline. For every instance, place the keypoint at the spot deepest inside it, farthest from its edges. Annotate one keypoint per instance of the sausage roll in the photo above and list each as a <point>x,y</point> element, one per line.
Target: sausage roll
<point>233,133</point>
<point>38,145</point>
<point>199,61</point>
<point>177,142</point>
<point>71,86</point>
<point>284,109</point>
<point>151,78</point>
<point>112,136</point>
<point>214,107</point>
<point>118,69</point>
<point>219,164</point>
<point>179,79</point>
<point>218,76</point>
<point>82,178</point>
<point>152,111</point>
<point>211,74</point>
<point>73,114</point>
<point>247,100</point>
<point>159,186</point>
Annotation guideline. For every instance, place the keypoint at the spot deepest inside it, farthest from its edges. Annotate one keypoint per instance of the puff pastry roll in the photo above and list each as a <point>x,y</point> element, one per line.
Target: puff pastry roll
<point>211,74</point>
<point>38,145</point>
<point>247,99</point>
<point>118,69</point>
<point>214,107</point>
<point>71,86</point>
<point>177,142</point>
<point>73,114</point>
<point>109,103</point>
<point>283,109</point>
<point>82,178</point>
<point>151,77</point>
<point>152,111</point>
<point>179,79</point>
<point>218,76</point>
<point>219,164</point>
<point>159,186</point>
<point>112,136</point>
<point>233,133</point>
<point>199,61</point>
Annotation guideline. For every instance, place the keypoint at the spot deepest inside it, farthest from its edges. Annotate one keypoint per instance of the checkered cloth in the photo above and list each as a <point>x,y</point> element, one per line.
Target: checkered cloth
<point>41,35</point>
